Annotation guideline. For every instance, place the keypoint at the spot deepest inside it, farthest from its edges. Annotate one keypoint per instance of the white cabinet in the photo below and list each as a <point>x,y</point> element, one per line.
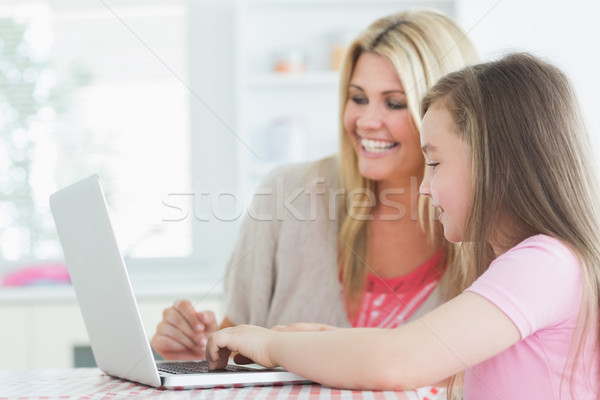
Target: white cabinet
<point>15,349</point>
<point>56,330</point>
<point>286,56</point>
<point>44,333</point>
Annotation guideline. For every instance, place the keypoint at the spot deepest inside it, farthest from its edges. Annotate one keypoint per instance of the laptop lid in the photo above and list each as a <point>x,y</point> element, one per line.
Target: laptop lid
<point>107,302</point>
<point>101,283</point>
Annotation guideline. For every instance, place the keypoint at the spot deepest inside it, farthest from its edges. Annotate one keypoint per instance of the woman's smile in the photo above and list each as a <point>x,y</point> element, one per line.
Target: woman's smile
<point>377,148</point>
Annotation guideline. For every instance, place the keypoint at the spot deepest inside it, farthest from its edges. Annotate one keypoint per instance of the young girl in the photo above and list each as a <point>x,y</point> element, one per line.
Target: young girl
<point>510,171</point>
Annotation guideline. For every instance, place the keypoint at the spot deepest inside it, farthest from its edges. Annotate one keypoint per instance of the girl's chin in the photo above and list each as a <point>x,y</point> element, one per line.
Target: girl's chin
<point>452,237</point>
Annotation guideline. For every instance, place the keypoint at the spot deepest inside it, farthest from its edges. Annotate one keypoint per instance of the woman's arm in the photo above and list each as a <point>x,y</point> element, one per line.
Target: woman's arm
<point>183,332</point>
<point>457,335</point>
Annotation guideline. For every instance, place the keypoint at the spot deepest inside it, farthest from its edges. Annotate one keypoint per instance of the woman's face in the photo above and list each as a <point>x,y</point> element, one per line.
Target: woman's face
<point>448,176</point>
<point>380,126</point>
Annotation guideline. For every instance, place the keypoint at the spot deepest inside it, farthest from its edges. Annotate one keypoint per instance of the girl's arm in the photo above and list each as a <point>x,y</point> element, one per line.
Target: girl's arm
<point>304,326</point>
<point>457,335</point>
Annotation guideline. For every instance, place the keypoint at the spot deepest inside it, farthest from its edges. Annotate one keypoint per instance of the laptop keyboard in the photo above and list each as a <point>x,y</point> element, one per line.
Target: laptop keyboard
<point>195,367</point>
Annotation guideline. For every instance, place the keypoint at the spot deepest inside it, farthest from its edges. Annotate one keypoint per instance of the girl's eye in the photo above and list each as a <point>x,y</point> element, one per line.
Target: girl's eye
<point>395,104</point>
<point>359,100</point>
<point>433,165</point>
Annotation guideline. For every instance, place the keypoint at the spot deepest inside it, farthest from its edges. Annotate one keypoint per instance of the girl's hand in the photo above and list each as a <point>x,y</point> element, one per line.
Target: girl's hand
<point>303,327</point>
<point>183,332</point>
<point>250,342</point>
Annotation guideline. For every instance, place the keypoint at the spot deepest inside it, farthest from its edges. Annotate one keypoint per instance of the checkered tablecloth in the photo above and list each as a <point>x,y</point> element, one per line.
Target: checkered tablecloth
<point>91,383</point>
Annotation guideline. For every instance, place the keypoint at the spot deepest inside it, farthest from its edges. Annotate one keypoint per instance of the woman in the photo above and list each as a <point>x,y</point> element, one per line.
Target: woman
<point>345,241</point>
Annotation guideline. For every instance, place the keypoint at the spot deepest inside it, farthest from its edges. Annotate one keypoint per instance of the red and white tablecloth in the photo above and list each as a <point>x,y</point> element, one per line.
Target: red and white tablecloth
<point>91,383</point>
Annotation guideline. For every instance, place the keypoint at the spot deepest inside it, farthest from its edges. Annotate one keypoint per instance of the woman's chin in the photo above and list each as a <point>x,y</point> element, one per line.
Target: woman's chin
<point>372,174</point>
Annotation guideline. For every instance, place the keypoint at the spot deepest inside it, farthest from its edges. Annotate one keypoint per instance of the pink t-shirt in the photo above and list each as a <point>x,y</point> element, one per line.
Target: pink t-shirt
<point>537,284</point>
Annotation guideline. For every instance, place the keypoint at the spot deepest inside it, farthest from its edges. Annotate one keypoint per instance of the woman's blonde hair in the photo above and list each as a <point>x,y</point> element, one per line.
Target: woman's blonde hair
<point>423,46</point>
<point>532,168</point>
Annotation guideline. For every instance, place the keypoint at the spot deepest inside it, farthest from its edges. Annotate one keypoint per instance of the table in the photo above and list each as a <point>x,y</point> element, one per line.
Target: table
<point>91,383</point>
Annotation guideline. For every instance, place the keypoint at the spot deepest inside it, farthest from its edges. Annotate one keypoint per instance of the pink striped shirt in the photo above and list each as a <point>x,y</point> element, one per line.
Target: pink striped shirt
<point>388,303</point>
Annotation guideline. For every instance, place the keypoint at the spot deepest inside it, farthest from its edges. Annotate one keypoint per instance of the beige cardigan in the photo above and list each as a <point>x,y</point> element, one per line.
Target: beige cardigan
<point>284,266</point>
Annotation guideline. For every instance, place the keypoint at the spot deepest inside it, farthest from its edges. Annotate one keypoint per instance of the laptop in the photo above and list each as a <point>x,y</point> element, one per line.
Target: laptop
<point>110,310</point>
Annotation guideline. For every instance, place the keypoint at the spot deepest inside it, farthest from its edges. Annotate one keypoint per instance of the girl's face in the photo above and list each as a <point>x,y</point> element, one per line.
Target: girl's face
<point>447,179</point>
<point>379,123</point>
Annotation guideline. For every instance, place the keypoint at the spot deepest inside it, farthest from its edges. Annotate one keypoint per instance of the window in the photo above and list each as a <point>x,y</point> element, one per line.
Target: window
<point>94,87</point>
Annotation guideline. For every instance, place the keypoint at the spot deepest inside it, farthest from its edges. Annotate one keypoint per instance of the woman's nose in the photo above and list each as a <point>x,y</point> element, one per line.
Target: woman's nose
<point>370,120</point>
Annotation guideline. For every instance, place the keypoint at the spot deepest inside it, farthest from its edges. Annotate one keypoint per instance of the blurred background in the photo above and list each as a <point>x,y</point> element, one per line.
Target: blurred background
<point>181,107</point>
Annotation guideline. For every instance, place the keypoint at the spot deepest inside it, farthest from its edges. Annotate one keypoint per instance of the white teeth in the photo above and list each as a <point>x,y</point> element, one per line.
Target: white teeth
<point>376,146</point>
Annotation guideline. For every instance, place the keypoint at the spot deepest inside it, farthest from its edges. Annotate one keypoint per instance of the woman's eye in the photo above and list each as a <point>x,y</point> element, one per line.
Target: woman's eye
<point>433,165</point>
<point>395,104</point>
<point>359,99</point>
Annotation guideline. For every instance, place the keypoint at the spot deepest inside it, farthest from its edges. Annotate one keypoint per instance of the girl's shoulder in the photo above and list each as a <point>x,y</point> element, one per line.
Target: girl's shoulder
<point>537,283</point>
<point>542,259</point>
<point>542,246</point>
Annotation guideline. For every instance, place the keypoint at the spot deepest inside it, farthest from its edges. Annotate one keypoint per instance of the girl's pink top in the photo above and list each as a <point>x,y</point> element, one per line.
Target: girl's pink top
<point>538,285</point>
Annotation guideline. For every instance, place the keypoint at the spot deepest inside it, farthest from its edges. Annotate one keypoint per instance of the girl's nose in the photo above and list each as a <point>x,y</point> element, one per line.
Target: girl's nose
<point>424,188</point>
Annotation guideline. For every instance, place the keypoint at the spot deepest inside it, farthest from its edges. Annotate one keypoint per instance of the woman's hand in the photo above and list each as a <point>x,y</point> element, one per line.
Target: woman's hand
<point>250,342</point>
<point>183,332</point>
